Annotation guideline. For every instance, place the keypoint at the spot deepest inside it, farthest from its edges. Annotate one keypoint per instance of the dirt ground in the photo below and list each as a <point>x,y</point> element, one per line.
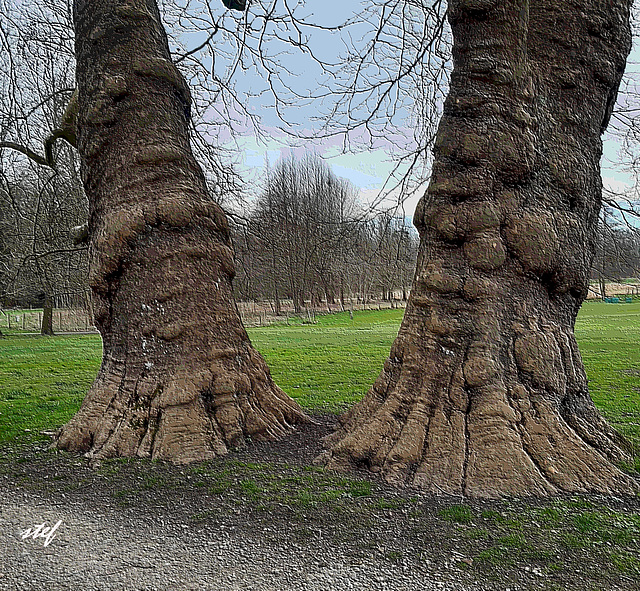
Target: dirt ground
<point>271,495</point>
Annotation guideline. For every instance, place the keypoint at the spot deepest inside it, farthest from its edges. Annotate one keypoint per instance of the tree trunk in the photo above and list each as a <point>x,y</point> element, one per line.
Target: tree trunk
<point>277,306</point>
<point>46,328</point>
<point>179,380</point>
<point>484,392</point>
<point>603,287</point>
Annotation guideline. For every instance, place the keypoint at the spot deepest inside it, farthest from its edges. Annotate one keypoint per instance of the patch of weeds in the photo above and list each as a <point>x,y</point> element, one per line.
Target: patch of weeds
<point>619,536</point>
<point>625,562</point>
<point>631,467</point>
<point>580,504</point>
<point>202,469</point>
<point>303,499</point>
<point>119,494</point>
<point>294,480</point>
<point>389,503</point>
<point>457,514</point>
<point>151,481</point>
<point>331,495</point>
<point>513,541</point>
<point>250,488</point>
<point>515,523</point>
<point>359,488</point>
<point>220,486</point>
<point>588,522</point>
<point>494,556</point>
<point>504,552</point>
<point>492,516</point>
<point>110,468</point>
<point>571,541</point>
<point>476,533</point>
<point>124,497</point>
<point>203,515</point>
<point>548,516</point>
<point>538,555</point>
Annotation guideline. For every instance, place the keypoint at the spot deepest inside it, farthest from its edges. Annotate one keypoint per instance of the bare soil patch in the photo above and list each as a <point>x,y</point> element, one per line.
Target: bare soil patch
<point>272,494</point>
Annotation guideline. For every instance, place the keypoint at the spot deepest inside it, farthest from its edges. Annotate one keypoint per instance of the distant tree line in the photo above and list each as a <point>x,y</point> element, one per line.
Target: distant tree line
<point>617,255</point>
<point>307,241</point>
<point>40,266</point>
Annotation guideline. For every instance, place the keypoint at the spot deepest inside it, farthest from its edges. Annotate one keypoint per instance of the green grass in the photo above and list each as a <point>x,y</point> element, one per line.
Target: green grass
<point>326,366</point>
<point>609,340</point>
<point>544,537</point>
<point>457,514</point>
<point>265,486</point>
<point>43,381</point>
<point>330,365</point>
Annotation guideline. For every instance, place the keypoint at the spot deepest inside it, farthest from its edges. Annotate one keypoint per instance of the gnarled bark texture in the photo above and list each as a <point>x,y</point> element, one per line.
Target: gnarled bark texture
<point>484,392</point>
<point>179,380</point>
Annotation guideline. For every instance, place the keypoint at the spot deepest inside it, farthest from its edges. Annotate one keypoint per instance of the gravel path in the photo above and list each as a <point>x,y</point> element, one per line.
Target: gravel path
<point>121,550</point>
<point>264,519</point>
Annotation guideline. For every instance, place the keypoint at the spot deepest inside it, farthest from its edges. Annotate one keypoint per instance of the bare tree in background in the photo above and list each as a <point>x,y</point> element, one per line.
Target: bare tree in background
<point>40,265</point>
<point>617,254</point>
<point>36,79</point>
<point>300,221</point>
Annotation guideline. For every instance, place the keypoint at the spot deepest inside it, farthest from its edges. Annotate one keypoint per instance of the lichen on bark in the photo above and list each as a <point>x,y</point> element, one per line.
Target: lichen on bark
<point>484,392</point>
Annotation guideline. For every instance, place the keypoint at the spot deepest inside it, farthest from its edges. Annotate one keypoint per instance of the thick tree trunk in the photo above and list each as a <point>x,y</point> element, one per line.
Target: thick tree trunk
<point>179,380</point>
<point>484,392</point>
<point>46,328</point>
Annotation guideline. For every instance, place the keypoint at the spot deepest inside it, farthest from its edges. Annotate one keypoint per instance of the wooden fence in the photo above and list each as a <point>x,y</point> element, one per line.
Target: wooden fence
<point>252,313</point>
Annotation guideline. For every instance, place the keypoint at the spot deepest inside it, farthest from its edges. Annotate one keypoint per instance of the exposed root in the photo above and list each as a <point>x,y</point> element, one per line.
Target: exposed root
<point>180,420</point>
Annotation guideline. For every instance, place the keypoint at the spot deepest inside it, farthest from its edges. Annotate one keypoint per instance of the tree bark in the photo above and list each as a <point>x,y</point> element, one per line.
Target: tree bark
<point>46,328</point>
<point>484,393</point>
<point>179,379</point>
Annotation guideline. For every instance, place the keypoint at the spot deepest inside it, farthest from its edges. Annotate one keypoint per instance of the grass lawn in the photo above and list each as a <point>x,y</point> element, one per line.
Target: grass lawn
<point>325,366</point>
<point>609,339</point>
